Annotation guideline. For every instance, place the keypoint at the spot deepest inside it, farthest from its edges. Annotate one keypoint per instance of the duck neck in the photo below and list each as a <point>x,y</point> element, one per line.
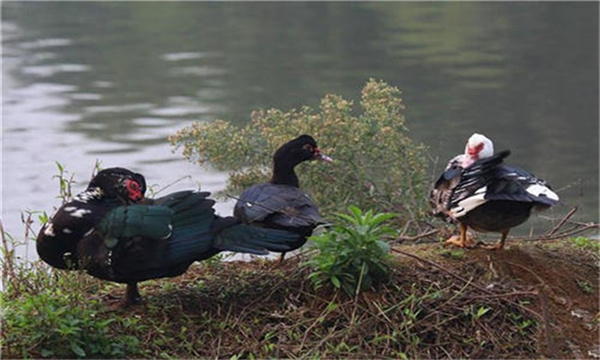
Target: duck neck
<point>284,174</point>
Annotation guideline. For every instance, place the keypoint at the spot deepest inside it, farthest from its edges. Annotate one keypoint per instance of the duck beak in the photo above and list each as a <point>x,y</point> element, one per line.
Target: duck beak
<point>320,156</point>
<point>325,158</point>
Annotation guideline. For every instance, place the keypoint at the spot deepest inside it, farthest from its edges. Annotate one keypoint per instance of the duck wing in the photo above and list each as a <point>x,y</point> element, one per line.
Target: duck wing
<point>470,192</point>
<point>145,241</point>
<point>287,206</point>
<point>515,184</point>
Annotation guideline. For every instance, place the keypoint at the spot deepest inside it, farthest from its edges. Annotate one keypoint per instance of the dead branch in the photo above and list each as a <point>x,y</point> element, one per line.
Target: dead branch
<point>563,221</point>
<point>417,237</point>
<point>546,323</point>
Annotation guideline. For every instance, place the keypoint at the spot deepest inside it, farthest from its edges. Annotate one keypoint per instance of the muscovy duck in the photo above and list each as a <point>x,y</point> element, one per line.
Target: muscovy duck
<point>113,233</point>
<point>280,204</point>
<point>480,191</point>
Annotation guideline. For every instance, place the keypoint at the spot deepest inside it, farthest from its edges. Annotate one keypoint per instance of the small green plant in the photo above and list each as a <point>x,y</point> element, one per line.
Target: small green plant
<point>585,242</point>
<point>65,183</point>
<point>66,180</point>
<point>521,324</point>
<point>585,286</point>
<point>353,254</point>
<point>477,314</point>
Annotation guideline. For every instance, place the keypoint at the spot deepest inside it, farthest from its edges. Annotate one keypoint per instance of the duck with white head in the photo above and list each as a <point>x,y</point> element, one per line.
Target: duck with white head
<point>479,191</point>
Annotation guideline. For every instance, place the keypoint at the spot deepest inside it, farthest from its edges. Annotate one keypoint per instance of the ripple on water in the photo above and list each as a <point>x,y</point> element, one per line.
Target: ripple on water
<point>51,70</point>
<point>179,56</point>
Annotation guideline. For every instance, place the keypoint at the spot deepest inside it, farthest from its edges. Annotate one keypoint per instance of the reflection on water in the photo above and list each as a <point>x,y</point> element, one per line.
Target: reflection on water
<point>110,81</point>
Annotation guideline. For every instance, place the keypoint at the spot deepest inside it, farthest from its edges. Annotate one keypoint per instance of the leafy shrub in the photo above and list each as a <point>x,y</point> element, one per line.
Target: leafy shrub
<point>352,255</point>
<point>60,325</point>
<point>377,166</point>
<point>47,313</point>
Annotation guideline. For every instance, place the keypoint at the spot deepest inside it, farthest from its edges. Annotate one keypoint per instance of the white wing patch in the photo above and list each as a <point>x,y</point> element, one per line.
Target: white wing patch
<point>95,193</point>
<point>541,190</point>
<point>470,203</point>
<point>67,231</point>
<point>49,231</point>
<point>80,213</point>
<point>88,232</point>
<point>70,208</point>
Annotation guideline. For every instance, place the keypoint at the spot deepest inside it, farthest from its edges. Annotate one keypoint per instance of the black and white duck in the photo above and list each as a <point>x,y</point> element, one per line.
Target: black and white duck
<point>479,191</point>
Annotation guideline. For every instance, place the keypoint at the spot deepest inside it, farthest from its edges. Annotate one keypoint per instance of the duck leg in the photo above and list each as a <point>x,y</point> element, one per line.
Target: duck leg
<point>461,240</point>
<point>132,295</point>
<point>500,245</point>
<point>281,258</point>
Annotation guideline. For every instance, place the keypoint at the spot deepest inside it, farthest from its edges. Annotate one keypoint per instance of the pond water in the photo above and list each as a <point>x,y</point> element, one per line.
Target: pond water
<point>109,81</point>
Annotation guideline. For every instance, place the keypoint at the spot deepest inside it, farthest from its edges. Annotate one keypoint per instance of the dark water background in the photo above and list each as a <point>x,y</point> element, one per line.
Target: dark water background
<point>111,80</point>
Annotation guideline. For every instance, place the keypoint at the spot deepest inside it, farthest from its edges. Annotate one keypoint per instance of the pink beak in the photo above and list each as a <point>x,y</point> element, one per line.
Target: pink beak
<point>320,156</point>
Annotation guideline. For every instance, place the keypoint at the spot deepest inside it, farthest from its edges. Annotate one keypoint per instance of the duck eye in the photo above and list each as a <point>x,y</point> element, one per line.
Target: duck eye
<point>307,147</point>
<point>133,189</point>
<point>132,185</point>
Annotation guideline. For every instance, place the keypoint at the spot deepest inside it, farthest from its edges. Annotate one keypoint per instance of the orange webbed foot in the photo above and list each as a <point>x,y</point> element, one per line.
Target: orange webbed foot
<point>466,243</point>
<point>499,245</point>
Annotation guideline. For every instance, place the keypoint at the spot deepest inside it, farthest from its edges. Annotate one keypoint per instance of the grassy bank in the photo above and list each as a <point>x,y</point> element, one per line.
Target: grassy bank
<point>536,299</point>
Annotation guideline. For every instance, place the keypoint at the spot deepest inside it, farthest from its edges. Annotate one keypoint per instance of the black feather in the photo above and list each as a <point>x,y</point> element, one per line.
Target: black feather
<point>476,176</point>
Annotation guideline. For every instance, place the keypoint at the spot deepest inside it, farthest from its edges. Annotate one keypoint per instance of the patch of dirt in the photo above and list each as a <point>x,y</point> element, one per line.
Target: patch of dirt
<point>566,279</point>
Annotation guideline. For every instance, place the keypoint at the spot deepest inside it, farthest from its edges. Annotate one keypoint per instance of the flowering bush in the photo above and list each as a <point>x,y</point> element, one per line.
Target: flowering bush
<point>376,165</point>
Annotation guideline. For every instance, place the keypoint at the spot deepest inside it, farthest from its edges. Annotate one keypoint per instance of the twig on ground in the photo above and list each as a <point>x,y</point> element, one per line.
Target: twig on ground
<point>469,282</point>
<point>563,221</point>
<point>546,322</point>
<point>417,237</point>
<point>577,228</point>
<point>438,266</point>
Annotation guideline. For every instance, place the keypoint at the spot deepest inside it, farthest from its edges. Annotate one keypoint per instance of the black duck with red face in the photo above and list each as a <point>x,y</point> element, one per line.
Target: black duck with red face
<point>111,231</point>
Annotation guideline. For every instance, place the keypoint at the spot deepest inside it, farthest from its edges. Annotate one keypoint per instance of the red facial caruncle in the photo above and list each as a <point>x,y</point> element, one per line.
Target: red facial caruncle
<point>134,190</point>
<point>475,150</point>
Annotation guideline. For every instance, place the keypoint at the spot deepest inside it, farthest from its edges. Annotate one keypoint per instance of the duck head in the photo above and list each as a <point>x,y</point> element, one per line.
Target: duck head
<point>478,147</point>
<point>292,153</point>
<point>118,183</point>
<point>302,148</point>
